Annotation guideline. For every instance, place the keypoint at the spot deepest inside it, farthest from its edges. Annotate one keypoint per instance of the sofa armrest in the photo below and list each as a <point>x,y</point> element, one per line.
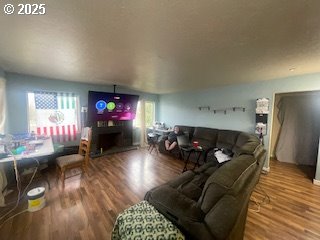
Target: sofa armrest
<point>181,179</point>
<point>174,204</point>
<point>247,148</point>
<point>223,216</point>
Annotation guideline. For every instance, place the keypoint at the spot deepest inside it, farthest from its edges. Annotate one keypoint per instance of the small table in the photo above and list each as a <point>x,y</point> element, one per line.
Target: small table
<point>152,141</point>
<point>43,147</point>
<point>188,150</point>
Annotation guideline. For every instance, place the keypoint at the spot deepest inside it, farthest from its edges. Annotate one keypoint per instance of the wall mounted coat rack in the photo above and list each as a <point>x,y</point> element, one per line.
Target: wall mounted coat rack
<point>204,108</point>
<point>222,110</point>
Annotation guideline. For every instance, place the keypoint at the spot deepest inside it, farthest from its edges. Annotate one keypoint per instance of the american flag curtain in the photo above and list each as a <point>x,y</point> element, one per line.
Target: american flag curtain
<point>56,115</point>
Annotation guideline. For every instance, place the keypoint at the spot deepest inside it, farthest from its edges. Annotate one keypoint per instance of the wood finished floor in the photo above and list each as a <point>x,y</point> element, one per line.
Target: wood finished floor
<point>294,208</point>
<point>88,207</point>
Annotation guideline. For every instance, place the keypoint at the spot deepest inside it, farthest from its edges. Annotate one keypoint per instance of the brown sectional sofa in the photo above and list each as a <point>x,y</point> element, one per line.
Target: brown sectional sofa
<point>211,202</point>
<point>209,138</point>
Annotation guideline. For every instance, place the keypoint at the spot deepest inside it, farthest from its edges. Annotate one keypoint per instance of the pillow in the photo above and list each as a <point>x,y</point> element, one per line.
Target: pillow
<point>221,157</point>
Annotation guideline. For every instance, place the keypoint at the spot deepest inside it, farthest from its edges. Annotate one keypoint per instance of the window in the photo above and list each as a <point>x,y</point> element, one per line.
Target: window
<point>54,114</point>
<point>2,105</point>
<point>149,114</point>
<point>137,120</point>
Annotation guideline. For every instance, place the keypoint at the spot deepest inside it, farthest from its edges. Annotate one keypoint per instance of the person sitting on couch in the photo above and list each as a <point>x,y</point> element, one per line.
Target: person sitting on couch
<point>171,142</point>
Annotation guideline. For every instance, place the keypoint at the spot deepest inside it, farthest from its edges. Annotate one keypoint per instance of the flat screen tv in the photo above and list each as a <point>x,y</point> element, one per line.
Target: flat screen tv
<point>104,106</point>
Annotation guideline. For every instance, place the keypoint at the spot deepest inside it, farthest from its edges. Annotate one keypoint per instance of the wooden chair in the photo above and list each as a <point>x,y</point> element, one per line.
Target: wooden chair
<point>79,160</point>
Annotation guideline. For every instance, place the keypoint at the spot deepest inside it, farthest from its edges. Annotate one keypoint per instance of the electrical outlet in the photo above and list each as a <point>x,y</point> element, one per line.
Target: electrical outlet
<point>84,109</point>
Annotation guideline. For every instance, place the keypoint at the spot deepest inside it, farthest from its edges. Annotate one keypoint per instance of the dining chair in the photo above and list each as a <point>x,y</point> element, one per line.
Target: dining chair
<point>79,160</point>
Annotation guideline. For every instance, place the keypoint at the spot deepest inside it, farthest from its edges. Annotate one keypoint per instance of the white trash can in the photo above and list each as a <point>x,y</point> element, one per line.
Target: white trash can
<point>36,199</point>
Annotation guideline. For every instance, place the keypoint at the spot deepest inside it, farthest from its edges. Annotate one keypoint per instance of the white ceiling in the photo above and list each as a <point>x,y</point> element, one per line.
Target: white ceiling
<point>163,46</point>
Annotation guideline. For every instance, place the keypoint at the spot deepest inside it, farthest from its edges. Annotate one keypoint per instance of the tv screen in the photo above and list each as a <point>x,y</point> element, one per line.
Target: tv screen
<point>104,106</point>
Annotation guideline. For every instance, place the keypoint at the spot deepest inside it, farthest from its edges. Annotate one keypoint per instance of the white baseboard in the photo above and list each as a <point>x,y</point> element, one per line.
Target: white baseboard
<point>266,169</point>
<point>316,182</point>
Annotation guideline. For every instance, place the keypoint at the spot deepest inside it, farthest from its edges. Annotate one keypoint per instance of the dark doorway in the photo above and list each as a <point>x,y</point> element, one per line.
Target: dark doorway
<point>295,129</point>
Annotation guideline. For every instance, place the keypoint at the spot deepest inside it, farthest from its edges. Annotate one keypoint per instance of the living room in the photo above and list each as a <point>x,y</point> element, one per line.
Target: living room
<point>182,57</point>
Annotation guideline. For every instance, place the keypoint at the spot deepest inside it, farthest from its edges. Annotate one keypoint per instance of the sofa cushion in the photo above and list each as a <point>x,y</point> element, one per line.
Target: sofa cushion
<point>207,137</point>
<point>245,144</point>
<point>193,189</point>
<point>227,139</point>
<point>209,134</point>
